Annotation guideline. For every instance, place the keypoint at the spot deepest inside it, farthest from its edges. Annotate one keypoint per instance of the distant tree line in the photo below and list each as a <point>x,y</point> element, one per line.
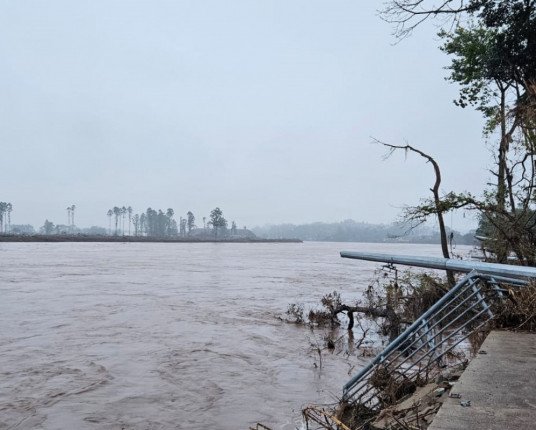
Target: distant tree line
<point>159,223</point>
<point>50,228</point>
<point>352,231</point>
<point>122,221</point>
<point>26,229</point>
<point>119,214</point>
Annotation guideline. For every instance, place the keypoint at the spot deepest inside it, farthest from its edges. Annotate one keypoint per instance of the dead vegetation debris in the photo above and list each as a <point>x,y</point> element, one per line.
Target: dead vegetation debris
<point>518,310</point>
<point>407,403</point>
<point>391,386</point>
<point>414,408</point>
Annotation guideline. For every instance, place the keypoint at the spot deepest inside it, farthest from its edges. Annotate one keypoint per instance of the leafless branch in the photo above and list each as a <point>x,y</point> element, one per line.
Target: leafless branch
<point>406,15</point>
<point>439,207</point>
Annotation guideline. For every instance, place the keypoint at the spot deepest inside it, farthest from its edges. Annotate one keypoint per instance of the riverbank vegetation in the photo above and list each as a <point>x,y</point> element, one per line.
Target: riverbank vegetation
<point>160,223</point>
<point>492,48</point>
<point>156,224</point>
<point>125,221</point>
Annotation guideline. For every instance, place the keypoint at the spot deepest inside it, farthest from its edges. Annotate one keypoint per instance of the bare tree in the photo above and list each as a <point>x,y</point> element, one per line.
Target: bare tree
<point>417,215</point>
<point>406,15</point>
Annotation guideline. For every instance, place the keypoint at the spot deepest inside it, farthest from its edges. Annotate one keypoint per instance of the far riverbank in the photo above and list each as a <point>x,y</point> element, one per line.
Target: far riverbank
<point>98,238</point>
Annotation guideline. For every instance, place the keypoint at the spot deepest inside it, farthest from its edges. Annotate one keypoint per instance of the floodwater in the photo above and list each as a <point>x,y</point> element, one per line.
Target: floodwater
<point>169,336</point>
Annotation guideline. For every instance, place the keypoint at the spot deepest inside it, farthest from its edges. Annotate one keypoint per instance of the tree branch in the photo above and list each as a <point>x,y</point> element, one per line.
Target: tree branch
<point>435,191</point>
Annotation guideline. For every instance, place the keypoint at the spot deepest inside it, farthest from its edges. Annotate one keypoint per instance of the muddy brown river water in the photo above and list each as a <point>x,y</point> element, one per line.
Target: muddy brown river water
<point>169,336</point>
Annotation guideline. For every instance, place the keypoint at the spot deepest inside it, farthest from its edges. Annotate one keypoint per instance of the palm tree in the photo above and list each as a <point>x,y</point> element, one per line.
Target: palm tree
<point>9,210</point>
<point>68,215</point>
<point>123,213</point>
<point>143,223</point>
<point>150,222</point>
<point>169,214</point>
<point>110,213</point>
<point>73,207</point>
<point>136,223</point>
<point>3,209</point>
<point>117,212</point>
<point>191,221</point>
<point>129,210</point>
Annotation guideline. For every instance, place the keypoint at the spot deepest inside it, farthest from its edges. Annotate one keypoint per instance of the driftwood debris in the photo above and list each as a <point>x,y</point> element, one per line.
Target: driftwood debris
<point>368,311</point>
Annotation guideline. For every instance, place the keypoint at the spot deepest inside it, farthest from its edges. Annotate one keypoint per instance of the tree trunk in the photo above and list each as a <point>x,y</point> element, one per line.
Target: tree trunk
<point>437,201</point>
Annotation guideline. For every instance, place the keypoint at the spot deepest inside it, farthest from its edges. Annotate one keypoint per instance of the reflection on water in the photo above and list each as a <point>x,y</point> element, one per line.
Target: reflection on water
<point>139,336</point>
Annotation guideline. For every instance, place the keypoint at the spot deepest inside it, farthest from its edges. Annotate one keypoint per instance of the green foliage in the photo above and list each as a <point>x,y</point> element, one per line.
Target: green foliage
<point>512,21</point>
<point>448,202</point>
<point>515,23</point>
<point>476,67</point>
<point>160,224</point>
<point>217,221</point>
<point>494,62</point>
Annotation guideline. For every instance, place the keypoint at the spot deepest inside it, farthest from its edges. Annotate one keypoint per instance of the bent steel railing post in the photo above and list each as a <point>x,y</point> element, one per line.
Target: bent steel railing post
<point>423,346</point>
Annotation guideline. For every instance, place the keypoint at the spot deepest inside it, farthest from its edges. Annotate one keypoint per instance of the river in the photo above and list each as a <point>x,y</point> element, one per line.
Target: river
<point>169,336</point>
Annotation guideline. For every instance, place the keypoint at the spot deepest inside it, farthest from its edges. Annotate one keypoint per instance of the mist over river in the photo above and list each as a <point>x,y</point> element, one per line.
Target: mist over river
<point>166,336</point>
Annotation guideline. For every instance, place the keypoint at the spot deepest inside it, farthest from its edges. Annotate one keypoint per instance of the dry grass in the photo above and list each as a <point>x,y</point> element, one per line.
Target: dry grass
<point>518,311</point>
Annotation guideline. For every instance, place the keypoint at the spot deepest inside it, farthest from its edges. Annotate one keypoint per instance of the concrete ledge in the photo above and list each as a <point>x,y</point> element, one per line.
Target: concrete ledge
<point>500,384</point>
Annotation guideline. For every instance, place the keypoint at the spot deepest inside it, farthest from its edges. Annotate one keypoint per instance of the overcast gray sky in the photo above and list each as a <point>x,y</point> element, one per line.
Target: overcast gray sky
<point>263,108</point>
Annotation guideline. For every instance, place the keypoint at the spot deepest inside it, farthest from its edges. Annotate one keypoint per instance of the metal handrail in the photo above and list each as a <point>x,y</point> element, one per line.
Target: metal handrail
<point>504,270</point>
<point>404,336</point>
<point>444,325</point>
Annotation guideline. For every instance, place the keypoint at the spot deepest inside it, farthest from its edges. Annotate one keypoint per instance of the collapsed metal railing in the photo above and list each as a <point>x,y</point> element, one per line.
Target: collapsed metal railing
<point>428,345</point>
